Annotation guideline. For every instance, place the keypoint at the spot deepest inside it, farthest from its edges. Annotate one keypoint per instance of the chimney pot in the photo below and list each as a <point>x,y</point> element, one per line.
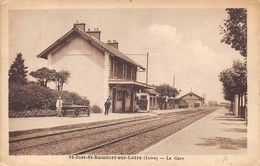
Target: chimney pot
<point>80,26</point>
<point>113,44</point>
<point>95,33</point>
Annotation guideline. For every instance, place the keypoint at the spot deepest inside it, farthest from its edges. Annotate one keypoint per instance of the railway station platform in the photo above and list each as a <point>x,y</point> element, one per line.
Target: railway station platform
<point>16,124</point>
<point>219,133</point>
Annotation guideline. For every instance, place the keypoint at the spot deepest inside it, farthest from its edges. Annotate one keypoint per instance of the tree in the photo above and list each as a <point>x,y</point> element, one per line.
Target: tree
<point>44,75</point>
<point>234,30</point>
<point>229,86</point>
<point>17,72</point>
<point>239,68</point>
<point>167,90</point>
<point>234,81</point>
<point>61,78</point>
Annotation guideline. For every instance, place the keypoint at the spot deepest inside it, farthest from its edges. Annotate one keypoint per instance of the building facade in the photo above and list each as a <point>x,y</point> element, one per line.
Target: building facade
<point>190,100</point>
<point>98,70</point>
<point>151,96</point>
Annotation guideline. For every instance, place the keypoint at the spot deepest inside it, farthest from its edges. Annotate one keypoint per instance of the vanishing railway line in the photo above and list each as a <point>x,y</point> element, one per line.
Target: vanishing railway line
<point>151,135</point>
<point>28,142</point>
<point>134,134</point>
<point>23,137</point>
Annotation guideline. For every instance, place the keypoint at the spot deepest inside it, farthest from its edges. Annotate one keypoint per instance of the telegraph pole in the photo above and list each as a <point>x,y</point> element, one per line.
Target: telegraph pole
<point>147,59</point>
<point>190,95</point>
<point>173,81</point>
<point>204,97</point>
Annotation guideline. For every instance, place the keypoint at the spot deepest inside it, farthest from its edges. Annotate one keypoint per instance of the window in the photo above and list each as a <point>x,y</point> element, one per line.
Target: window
<point>129,72</point>
<point>124,71</point>
<point>115,68</point>
<point>133,74</point>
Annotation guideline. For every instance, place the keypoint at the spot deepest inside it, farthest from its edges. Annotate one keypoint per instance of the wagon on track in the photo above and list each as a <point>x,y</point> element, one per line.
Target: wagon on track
<point>75,109</point>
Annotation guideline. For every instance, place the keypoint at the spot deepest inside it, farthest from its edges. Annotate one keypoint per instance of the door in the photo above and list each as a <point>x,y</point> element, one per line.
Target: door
<point>114,101</point>
<point>132,102</point>
<point>123,100</point>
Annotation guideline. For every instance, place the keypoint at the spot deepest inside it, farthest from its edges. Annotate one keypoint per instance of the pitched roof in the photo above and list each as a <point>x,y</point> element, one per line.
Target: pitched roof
<point>192,94</point>
<point>99,44</point>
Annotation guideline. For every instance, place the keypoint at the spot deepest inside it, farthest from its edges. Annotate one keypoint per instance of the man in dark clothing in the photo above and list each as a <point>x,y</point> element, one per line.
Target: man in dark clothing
<point>107,106</point>
<point>86,103</point>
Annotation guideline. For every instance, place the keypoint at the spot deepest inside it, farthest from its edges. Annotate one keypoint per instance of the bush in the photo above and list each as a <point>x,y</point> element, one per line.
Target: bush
<point>37,97</point>
<point>95,109</point>
<point>33,96</point>
<point>32,113</point>
<point>70,97</point>
<point>16,98</point>
<point>28,97</point>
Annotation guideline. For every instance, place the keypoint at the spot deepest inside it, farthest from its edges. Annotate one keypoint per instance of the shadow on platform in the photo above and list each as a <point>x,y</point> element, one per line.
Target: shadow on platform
<point>224,143</point>
<point>228,119</point>
<point>237,124</point>
<point>236,130</point>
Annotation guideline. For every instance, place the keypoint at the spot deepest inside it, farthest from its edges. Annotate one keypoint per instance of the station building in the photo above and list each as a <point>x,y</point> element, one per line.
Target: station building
<point>190,100</point>
<point>98,70</point>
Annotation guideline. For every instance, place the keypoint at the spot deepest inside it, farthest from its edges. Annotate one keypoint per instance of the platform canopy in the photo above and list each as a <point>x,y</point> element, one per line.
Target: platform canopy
<point>152,92</point>
<point>114,82</point>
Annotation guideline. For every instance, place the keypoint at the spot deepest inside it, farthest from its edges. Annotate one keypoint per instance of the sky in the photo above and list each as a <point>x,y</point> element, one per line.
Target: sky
<point>184,43</point>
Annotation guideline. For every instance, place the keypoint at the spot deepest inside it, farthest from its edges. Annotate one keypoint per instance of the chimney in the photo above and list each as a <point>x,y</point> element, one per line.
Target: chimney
<point>95,33</point>
<point>80,26</point>
<point>113,43</point>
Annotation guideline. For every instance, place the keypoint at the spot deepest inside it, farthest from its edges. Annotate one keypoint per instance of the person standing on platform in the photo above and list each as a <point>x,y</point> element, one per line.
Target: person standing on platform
<point>107,106</point>
<point>59,106</point>
<point>86,103</point>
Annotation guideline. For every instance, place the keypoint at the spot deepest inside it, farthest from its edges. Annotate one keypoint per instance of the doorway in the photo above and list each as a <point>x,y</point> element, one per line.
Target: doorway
<point>114,101</point>
<point>123,100</point>
<point>132,102</point>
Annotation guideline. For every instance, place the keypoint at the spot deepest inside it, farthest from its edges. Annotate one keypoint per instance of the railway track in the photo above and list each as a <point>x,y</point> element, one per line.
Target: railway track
<point>98,149</point>
<point>24,137</point>
<point>29,142</point>
<point>41,143</point>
